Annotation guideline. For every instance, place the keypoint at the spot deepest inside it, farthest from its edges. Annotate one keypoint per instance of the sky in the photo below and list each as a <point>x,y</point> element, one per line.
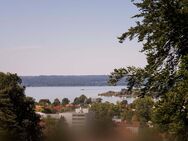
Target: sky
<point>66,37</point>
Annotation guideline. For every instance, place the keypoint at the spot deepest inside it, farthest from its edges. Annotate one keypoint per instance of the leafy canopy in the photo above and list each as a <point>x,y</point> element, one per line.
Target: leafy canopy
<point>18,120</point>
<point>162,27</point>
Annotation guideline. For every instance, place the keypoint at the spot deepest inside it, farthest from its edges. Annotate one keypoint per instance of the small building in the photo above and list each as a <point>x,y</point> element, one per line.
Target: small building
<point>82,118</point>
<point>79,118</point>
<point>115,119</point>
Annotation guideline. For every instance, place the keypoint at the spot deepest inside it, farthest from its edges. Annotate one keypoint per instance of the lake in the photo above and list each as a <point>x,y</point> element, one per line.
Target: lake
<point>71,92</point>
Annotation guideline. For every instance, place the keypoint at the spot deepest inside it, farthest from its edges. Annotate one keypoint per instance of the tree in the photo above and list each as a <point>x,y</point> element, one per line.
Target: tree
<point>65,101</point>
<point>49,110</point>
<point>127,112</point>
<point>98,100</point>
<point>56,130</point>
<point>44,102</point>
<point>103,117</point>
<point>143,109</point>
<point>170,114</point>
<point>124,103</point>
<point>162,27</point>
<point>56,102</point>
<point>88,101</point>
<point>17,116</point>
<point>80,100</point>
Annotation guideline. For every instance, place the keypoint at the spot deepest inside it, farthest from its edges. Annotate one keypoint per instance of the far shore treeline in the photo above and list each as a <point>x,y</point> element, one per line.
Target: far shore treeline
<point>67,80</point>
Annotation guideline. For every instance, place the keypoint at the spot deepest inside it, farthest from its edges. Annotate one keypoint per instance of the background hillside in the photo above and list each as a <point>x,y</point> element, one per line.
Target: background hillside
<point>61,80</point>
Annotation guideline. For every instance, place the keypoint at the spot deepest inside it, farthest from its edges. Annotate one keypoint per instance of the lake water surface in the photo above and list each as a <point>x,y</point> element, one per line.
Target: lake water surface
<point>71,92</point>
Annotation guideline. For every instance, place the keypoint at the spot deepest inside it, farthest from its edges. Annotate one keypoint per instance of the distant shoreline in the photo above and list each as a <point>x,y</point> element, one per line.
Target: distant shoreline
<point>68,81</point>
<point>77,86</point>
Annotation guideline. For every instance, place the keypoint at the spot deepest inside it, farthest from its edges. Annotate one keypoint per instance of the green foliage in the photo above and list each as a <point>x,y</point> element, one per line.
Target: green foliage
<point>98,100</point>
<point>80,100</point>
<point>65,101</point>
<point>124,103</point>
<point>162,27</point>
<point>88,101</point>
<point>127,114</point>
<point>56,102</point>
<point>17,115</point>
<point>56,130</point>
<point>171,113</point>
<point>103,116</point>
<point>135,77</point>
<point>49,110</point>
<point>44,102</point>
<point>143,109</point>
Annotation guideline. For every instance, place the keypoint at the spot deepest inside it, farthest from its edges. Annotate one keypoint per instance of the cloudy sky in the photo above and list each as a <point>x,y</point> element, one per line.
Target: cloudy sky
<point>66,37</point>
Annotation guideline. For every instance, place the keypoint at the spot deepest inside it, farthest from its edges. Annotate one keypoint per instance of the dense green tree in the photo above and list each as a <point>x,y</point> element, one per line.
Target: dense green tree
<point>56,130</point>
<point>127,115</point>
<point>44,102</point>
<point>103,117</point>
<point>56,102</point>
<point>162,27</point>
<point>128,111</point>
<point>65,101</point>
<point>143,109</point>
<point>124,103</point>
<point>17,115</point>
<point>80,100</point>
<point>171,112</point>
<point>88,101</point>
<point>98,100</point>
<point>49,110</point>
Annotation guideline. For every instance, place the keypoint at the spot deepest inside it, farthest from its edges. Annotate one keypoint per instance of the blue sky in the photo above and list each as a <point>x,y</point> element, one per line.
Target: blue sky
<point>67,37</point>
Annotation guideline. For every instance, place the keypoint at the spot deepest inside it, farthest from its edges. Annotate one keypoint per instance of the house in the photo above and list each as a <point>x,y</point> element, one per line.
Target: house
<point>115,119</point>
<point>77,119</point>
<point>82,118</point>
